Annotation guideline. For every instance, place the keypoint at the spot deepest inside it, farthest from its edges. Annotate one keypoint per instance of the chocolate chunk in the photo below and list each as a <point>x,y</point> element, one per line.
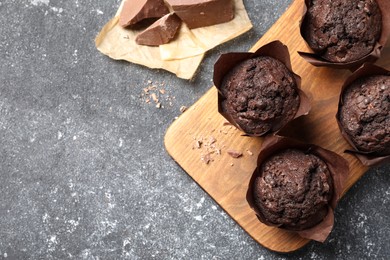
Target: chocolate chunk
<point>201,13</point>
<point>135,11</point>
<point>160,32</point>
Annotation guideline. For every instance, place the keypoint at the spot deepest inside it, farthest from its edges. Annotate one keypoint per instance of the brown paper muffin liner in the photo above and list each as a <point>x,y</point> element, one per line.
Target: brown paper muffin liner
<point>366,158</point>
<point>337,166</point>
<point>317,60</point>
<point>276,50</point>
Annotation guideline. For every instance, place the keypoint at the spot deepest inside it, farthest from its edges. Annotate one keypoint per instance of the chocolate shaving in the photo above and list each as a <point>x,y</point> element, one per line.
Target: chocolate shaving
<point>206,158</point>
<point>337,166</point>
<point>198,144</point>
<point>234,154</point>
<point>317,60</point>
<point>212,140</point>
<point>228,61</point>
<point>366,158</point>
<point>154,97</point>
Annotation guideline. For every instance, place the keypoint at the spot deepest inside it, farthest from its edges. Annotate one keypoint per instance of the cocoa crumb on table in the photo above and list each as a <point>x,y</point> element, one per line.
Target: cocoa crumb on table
<point>234,154</point>
<point>206,158</point>
<point>212,140</point>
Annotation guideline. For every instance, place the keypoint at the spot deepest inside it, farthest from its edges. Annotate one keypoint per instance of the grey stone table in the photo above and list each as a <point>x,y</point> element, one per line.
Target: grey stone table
<point>83,170</point>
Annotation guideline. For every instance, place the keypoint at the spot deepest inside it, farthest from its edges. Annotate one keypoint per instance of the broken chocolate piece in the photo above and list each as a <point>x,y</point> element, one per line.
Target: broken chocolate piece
<point>134,11</point>
<point>160,32</point>
<point>201,13</point>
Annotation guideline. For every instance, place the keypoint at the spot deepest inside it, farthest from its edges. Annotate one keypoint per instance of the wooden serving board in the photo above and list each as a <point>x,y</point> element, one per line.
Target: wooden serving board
<point>201,131</point>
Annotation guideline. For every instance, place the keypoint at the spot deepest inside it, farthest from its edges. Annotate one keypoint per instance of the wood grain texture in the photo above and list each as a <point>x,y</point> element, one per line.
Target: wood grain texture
<point>226,179</point>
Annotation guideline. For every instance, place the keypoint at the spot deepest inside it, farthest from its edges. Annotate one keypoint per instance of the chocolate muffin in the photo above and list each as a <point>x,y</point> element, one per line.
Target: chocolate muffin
<point>364,114</point>
<point>342,31</point>
<point>293,189</point>
<point>260,95</point>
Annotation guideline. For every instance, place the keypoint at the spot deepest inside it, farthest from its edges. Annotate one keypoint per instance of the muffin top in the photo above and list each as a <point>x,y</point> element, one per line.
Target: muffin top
<point>365,114</point>
<point>342,30</point>
<point>260,94</point>
<point>293,189</point>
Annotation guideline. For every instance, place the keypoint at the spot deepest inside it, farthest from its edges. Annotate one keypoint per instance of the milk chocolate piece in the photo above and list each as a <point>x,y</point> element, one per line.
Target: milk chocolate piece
<point>201,13</point>
<point>134,11</point>
<point>160,32</point>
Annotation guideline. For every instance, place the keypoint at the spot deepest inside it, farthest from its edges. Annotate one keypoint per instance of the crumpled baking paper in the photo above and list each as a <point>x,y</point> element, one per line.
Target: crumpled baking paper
<point>181,56</point>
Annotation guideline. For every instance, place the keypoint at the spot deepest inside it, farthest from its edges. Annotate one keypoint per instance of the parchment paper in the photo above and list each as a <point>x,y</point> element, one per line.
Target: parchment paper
<point>183,55</point>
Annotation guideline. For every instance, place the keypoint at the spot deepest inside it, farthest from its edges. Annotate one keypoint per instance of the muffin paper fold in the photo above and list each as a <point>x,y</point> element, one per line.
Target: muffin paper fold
<point>338,168</point>
<point>317,60</point>
<point>366,158</point>
<point>276,50</point>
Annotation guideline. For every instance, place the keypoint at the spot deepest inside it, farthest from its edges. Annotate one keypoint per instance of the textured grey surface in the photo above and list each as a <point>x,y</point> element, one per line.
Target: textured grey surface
<point>84,173</point>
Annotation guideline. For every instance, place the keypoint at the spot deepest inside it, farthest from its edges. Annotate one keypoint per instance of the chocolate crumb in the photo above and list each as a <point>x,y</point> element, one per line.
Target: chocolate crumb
<point>206,158</point>
<point>158,105</point>
<point>154,97</point>
<point>249,152</point>
<point>234,154</point>
<point>212,140</point>
<point>183,109</point>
